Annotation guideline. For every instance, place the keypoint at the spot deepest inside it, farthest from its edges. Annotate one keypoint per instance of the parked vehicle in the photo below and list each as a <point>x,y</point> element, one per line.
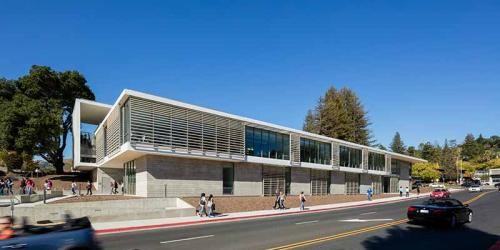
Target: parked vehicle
<point>450,212</point>
<point>475,188</point>
<point>440,193</point>
<point>73,234</point>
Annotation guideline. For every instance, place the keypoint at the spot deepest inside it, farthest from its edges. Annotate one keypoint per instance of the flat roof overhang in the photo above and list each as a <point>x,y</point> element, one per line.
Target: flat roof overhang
<point>89,112</point>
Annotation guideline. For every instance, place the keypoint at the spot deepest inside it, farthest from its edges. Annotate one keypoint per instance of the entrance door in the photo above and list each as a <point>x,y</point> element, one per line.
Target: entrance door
<point>387,182</point>
<point>320,182</point>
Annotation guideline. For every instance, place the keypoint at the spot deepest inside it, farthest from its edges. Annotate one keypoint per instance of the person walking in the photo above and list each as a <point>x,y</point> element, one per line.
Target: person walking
<point>407,192</point>
<point>302,199</point>
<point>211,206</point>
<point>9,183</point>
<point>89,188</point>
<point>29,186</point>
<point>112,186</point>
<point>202,204</point>
<point>2,185</point>
<point>277,199</point>
<point>73,187</point>
<point>23,186</point>
<point>282,200</point>
<point>369,193</point>
<point>116,187</point>
<point>400,191</point>
<point>418,190</point>
<point>46,185</point>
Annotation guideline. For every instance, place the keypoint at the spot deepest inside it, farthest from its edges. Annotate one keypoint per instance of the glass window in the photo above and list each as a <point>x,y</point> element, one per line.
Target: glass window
<point>272,146</point>
<point>265,143</point>
<point>315,151</point>
<point>286,147</point>
<point>350,157</point>
<point>279,146</point>
<point>249,141</point>
<point>257,142</point>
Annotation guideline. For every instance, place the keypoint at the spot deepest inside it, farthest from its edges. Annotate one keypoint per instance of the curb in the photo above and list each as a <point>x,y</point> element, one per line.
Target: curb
<point>249,217</point>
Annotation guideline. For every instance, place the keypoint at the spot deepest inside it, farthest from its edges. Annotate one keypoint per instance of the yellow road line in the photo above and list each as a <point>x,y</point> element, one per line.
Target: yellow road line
<point>355,232</point>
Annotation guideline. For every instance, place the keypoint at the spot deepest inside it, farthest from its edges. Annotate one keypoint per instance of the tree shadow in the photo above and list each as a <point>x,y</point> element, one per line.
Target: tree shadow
<point>431,237</point>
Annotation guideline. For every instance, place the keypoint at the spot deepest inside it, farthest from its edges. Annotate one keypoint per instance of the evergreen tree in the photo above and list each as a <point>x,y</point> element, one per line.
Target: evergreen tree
<point>358,117</point>
<point>339,114</point>
<point>470,148</point>
<point>310,123</point>
<point>431,153</point>
<point>397,145</point>
<point>448,161</point>
<point>411,151</point>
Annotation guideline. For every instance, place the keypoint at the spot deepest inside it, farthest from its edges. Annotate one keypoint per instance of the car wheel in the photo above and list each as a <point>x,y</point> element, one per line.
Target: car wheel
<point>469,217</point>
<point>453,221</point>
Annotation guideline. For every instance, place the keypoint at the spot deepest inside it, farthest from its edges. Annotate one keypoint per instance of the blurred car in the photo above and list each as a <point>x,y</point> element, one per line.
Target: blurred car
<point>450,212</point>
<point>475,188</point>
<point>73,234</point>
<point>440,193</point>
<point>415,184</point>
<point>436,185</point>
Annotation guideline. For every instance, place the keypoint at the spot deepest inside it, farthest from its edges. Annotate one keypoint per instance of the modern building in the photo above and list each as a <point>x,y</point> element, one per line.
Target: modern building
<point>494,176</point>
<point>159,147</point>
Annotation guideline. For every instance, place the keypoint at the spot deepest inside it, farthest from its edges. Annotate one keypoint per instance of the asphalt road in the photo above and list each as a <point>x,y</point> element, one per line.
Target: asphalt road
<point>356,228</point>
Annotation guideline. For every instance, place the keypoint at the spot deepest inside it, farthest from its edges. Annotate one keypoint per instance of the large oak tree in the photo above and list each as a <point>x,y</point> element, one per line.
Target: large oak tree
<point>35,112</point>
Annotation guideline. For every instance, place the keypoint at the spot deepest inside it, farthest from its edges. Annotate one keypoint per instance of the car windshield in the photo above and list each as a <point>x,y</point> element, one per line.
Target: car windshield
<point>442,203</point>
<point>439,190</point>
<point>475,185</point>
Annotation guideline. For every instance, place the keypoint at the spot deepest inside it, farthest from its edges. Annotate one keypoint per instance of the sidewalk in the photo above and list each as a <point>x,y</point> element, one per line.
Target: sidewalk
<point>134,225</point>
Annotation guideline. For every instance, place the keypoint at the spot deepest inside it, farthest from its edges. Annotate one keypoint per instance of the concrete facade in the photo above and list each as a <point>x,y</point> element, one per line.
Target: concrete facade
<point>404,177</point>
<point>301,181</point>
<point>337,185</point>
<point>175,176</point>
<point>365,183</point>
<point>247,179</point>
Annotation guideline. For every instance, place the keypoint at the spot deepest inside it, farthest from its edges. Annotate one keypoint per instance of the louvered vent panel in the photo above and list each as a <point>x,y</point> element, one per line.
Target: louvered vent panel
<point>113,133</point>
<point>295,149</point>
<point>167,127</point>
<point>99,146</point>
<point>335,154</point>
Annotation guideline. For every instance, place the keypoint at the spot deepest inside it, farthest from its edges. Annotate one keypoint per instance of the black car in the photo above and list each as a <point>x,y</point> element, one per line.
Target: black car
<point>447,211</point>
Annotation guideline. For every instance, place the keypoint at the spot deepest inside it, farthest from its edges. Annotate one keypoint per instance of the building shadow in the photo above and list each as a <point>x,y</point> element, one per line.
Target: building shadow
<point>431,237</point>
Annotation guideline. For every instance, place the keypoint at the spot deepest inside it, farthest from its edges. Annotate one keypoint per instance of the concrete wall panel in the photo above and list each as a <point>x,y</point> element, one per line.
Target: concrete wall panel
<point>337,185</point>
<point>301,181</point>
<point>247,179</point>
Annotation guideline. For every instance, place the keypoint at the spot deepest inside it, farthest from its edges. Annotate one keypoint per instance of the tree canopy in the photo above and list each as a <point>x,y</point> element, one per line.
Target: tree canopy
<point>427,171</point>
<point>35,112</point>
<point>397,145</point>
<point>339,114</point>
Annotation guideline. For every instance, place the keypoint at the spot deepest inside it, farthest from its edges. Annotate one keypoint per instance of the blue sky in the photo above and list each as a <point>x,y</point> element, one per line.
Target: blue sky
<point>428,69</point>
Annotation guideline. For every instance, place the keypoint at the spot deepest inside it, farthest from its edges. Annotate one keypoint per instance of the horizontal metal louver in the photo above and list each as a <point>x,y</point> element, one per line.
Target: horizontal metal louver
<point>170,128</point>
<point>295,149</point>
<point>99,145</point>
<point>335,154</point>
<point>113,133</point>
